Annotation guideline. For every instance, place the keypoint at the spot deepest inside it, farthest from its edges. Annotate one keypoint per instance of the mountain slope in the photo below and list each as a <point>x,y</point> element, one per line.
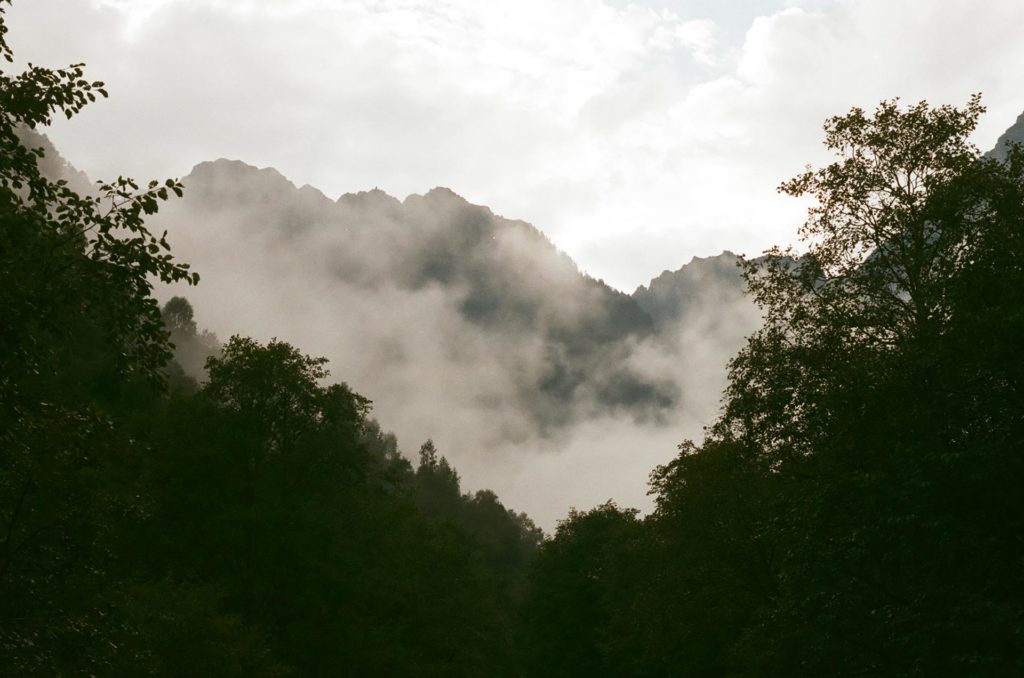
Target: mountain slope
<point>693,290</point>
<point>1015,134</point>
<point>558,341</point>
<point>53,165</point>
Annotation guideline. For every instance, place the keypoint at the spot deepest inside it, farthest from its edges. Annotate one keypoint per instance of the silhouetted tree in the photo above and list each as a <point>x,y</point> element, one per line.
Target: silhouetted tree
<point>578,584</point>
<point>80,333</point>
<point>872,435</point>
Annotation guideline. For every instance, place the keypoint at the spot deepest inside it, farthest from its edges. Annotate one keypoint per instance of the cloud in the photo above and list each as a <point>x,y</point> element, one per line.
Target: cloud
<point>590,118</point>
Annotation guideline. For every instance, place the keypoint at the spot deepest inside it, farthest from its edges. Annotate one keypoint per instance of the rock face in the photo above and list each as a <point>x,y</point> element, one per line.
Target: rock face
<point>695,289</point>
<point>1015,134</point>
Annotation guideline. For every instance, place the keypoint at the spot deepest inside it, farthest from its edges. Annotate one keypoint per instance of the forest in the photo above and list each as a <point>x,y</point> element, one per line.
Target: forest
<point>853,511</point>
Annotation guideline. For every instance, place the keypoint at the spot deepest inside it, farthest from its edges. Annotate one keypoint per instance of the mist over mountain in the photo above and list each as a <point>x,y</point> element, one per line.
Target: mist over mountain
<point>499,277</point>
<point>467,327</point>
<point>689,293</point>
<point>534,378</point>
<point>195,483</point>
<point>52,164</point>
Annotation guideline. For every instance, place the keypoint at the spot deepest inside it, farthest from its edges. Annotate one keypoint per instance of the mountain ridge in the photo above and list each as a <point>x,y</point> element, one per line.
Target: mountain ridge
<point>1013,134</point>
<point>566,336</point>
<point>467,327</point>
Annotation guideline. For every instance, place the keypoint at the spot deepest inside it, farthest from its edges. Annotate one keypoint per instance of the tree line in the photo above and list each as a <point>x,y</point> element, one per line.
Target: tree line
<point>258,524</point>
<point>854,510</point>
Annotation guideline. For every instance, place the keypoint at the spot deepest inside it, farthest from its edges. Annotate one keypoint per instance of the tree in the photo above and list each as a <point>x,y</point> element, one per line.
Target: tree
<point>437,485</point>
<point>274,389</point>
<point>877,238</point>
<point>191,347</point>
<point>871,427</point>
<point>260,527</point>
<point>580,581</point>
<point>896,217</point>
<point>80,332</point>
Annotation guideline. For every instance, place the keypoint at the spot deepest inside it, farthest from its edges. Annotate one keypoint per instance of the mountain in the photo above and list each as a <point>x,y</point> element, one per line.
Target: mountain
<point>558,341</point>
<point>1015,134</point>
<point>695,289</point>
<point>533,378</point>
<point>53,165</point>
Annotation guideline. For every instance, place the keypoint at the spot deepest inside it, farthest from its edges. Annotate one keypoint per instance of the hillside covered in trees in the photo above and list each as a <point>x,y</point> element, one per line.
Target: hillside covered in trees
<point>853,511</point>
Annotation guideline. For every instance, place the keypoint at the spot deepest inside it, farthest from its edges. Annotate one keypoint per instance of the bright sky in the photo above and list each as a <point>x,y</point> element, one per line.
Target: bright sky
<point>635,134</point>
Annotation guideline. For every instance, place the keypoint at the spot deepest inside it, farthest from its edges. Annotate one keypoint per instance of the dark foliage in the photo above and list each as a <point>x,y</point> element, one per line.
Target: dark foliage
<point>853,512</point>
<point>249,520</point>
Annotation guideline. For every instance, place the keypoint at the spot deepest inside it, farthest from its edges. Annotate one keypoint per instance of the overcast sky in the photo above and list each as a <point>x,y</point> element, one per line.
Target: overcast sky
<point>636,135</point>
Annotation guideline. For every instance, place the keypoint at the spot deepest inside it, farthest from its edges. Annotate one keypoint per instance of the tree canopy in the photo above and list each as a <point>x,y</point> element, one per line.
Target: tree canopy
<point>853,511</point>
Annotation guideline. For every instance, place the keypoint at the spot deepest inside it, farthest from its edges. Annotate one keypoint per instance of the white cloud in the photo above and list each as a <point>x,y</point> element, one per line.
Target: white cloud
<point>590,118</point>
<point>699,36</point>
